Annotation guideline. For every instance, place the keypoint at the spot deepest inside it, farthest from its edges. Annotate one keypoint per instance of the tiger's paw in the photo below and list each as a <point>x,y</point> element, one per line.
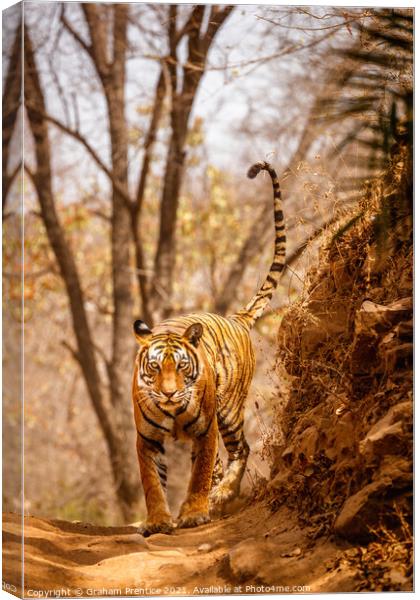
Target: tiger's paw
<point>193,519</point>
<point>219,496</point>
<point>147,529</point>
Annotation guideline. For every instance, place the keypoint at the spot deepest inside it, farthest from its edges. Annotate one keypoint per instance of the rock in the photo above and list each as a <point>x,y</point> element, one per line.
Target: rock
<point>294,552</point>
<point>397,578</point>
<point>265,560</point>
<point>360,512</point>
<point>396,473</point>
<point>304,446</point>
<point>249,556</point>
<point>307,442</point>
<point>288,453</point>
<point>279,483</point>
<point>363,511</point>
<point>383,441</point>
<point>243,561</point>
<point>387,436</point>
<point>204,548</point>
<point>341,437</point>
<point>352,552</point>
<point>371,322</point>
<point>404,330</point>
<point>374,318</point>
<point>364,359</point>
<point>396,356</point>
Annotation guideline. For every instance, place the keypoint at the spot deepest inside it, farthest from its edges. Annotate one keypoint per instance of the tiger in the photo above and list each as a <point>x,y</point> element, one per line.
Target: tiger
<point>191,377</point>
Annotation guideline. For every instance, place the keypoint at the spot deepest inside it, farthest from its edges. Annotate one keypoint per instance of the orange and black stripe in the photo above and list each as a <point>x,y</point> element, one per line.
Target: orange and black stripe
<point>256,306</point>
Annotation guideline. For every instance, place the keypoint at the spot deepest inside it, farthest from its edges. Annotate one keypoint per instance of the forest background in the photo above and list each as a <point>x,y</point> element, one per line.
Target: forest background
<point>139,122</point>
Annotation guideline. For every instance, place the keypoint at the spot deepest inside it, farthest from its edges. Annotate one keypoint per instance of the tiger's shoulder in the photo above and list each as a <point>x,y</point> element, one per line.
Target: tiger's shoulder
<point>218,332</point>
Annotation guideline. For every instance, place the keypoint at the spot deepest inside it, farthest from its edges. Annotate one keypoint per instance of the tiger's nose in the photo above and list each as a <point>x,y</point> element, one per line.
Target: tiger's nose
<point>169,393</point>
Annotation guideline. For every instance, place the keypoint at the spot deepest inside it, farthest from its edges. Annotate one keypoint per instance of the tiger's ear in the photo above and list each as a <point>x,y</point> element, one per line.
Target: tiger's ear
<point>193,334</point>
<point>141,331</point>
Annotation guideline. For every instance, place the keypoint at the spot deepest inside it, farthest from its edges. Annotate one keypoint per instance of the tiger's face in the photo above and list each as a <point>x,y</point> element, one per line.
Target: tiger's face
<point>168,363</point>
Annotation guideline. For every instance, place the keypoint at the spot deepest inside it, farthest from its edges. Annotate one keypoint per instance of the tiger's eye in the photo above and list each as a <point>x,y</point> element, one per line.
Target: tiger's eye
<point>182,364</point>
<point>154,364</point>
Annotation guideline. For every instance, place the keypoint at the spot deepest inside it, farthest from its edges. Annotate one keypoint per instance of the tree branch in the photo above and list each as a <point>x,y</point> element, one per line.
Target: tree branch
<point>73,32</point>
<point>107,362</point>
<point>72,351</point>
<point>80,138</point>
<point>8,180</point>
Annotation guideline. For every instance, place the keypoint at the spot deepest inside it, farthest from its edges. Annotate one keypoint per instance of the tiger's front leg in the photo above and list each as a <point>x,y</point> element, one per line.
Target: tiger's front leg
<point>195,509</point>
<point>153,473</point>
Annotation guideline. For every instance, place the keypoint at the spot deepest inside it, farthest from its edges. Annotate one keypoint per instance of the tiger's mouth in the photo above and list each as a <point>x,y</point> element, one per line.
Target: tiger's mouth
<point>169,401</point>
<point>176,404</point>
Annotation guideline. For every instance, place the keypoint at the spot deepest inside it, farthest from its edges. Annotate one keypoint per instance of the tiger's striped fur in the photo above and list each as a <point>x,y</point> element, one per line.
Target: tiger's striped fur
<point>191,379</point>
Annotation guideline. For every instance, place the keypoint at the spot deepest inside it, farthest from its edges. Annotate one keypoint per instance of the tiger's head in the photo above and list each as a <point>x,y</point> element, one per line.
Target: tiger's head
<point>168,363</point>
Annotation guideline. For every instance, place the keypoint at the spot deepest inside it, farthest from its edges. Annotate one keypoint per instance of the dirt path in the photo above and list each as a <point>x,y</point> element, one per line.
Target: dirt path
<point>245,553</point>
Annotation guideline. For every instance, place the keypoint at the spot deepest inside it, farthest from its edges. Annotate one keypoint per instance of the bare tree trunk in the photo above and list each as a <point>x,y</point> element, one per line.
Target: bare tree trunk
<point>11,103</point>
<point>111,73</point>
<point>110,66</point>
<point>165,255</point>
<point>122,343</point>
<point>138,202</point>
<point>126,488</point>
<point>184,80</point>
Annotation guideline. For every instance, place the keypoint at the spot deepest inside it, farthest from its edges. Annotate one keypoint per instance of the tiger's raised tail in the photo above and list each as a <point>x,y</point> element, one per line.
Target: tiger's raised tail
<point>256,306</point>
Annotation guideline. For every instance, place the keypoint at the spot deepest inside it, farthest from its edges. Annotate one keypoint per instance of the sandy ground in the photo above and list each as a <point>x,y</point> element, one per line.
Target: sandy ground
<point>245,553</point>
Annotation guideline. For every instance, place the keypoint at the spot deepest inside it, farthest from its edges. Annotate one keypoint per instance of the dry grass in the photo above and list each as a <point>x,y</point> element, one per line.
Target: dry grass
<point>386,564</point>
